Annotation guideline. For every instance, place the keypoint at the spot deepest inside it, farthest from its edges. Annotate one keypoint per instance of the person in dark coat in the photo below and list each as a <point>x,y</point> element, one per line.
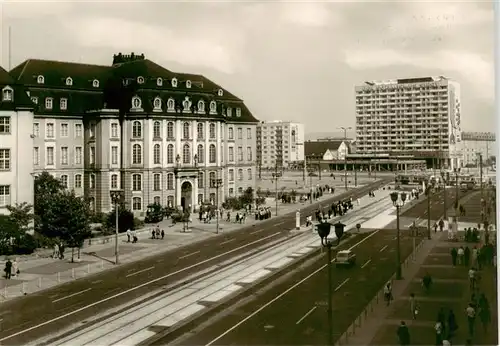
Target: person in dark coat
<point>403,334</point>
<point>454,254</point>
<point>8,269</point>
<point>467,256</point>
<point>452,325</point>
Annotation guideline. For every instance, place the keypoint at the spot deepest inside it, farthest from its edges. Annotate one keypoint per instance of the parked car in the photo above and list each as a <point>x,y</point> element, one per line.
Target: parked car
<point>345,258</point>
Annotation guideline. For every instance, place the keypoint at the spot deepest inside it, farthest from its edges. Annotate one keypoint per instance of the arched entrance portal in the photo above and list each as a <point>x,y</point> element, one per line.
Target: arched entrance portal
<point>186,196</point>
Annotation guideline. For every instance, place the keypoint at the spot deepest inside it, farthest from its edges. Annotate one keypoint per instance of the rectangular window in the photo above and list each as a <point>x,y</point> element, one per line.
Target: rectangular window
<point>240,133</point>
<point>78,155</point>
<point>78,130</point>
<point>114,181</point>
<point>249,133</point>
<point>4,195</point>
<point>5,159</point>
<point>36,129</point>
<point>92,155</point>
<point>114,130</point>
<point>231,154</point>
<point>92,181</point>
<point>114,155</point>
<point>136,182</point>
<point>50,130</point>
<point>64,155</point>
<point>240,154</point>
<point>64,130</point>
<point>231,175</point>
<point>136,203</point>
<point>36,156</point>
<point>50,156</point>
<point>78,181</point>
<point>92,130</point>
<point>157,182</point>
<point>249,153</point>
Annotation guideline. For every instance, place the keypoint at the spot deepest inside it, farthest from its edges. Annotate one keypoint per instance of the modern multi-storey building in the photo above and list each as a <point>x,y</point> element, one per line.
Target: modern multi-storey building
<point>417,116</point>
<point>280,144</point>
<point>160,136</point>
<point>474,143</point>
<point>16,119</point>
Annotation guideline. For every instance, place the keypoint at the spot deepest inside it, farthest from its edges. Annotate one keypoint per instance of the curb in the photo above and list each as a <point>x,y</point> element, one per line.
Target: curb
<point>178,331</point>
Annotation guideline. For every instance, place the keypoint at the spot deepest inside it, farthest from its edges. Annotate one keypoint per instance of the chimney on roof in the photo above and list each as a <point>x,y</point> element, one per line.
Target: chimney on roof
<point>123,58</point>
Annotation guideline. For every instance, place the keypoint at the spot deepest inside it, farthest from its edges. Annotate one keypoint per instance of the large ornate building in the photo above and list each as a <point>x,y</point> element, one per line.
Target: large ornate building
<point>160,136</point>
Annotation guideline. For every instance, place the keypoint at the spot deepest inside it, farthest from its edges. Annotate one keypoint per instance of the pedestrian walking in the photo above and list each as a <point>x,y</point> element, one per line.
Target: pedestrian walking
<point>403,334</point>
<point>441,225</point>
<point>162,234</point>
<point>460,255</point>
<point>153,234</point>
<point>472,278</point>
<point>474,254</point>
<point>129,234</point>
<point>438,328</point>
<point>8,269</point>
<point>452,324</point>
<point>471,318</point>
<point>485,317</point>
<point>466,256</point>
<point>454,254</point>
<point>55,254</point>
<point>388,293</point>
<point>413,306</point>
<point>15,268</point>
<point>427,282</point>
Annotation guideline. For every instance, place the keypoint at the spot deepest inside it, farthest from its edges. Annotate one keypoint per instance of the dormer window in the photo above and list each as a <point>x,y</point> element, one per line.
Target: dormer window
<point>238,112</point>
<point>213,107</point>
<point>220,92</point>
<point>63,104</point>
<point>49,103</point>
<point>188,84</point>
<point>159,81</point>
<point>136,102</point>
<point>7,94</point>
<point>34,99</point>
<point>69,81</point>
<point>95,83</point>
<point>157,104</point>
<point>229,111</point>
<point>140,80</point>
<point>186,105</point>
<point>40,79</point>
<point>174,82</point>
<point>171,105</point>
<point>201,106</point>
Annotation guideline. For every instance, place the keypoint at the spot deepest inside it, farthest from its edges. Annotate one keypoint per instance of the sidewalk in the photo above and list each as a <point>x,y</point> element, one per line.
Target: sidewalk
<point>39,273</point>
<point>450,290</point>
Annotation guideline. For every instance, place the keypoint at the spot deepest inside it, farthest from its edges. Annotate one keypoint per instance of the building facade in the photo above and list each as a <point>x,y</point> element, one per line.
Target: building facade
<point>160,136</point>
<point>280,144</point>
<point>16,118</point>
<point>418,116</point>
<point>474,143</point>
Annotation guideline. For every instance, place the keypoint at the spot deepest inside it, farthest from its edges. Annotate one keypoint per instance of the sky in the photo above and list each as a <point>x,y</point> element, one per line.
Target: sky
<point>296,61</point>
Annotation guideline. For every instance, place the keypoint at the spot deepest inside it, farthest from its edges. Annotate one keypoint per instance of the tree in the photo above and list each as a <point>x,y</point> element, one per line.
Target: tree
<point>22,215</point>
<point>125,219</point>
<point>247,197</point>
<point>8,230</point>
<point>59,213</point>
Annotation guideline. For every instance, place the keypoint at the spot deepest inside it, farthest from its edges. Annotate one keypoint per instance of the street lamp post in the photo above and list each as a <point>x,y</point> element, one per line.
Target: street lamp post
<point>345,155</point>
<point>116,197</point>
<point>216,183</point>
<point>446,178</point>
<point>323,232</point>
<point>398,199</point>
<point>276,175</point>
<point>429,189</point>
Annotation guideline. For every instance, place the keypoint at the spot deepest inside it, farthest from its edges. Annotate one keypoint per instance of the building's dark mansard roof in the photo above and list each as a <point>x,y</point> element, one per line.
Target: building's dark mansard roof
<point>118,84</point>
<point>20,96</point>
<point>319,148</point>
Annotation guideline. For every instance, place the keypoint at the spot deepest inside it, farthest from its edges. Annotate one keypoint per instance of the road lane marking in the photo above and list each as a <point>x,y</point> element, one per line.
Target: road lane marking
<point>257,231</point>
<point>227,241</point>
<point>366,263</point>
<point>279,296</point>
<point>71,295</point>
<point>189,254</point>
<point>279,223</point>
<point>307,314</point>
<point>342,284</point>
<point>382,249</point>
<point>140,271</point>
<point>83,308</point>
<point>96,282</point>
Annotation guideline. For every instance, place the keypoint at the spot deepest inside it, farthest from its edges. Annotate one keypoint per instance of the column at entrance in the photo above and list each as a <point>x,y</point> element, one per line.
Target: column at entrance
<point>195,194</point>
<point>177,191</point>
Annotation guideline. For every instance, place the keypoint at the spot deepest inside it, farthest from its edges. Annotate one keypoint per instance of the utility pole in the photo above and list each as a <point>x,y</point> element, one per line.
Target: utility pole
<point>217,183</point>
<point>276,175</point>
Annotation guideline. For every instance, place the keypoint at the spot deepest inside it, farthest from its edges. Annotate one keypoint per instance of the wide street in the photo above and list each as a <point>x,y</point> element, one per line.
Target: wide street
<point>293,311</point>
<point>33,316</point>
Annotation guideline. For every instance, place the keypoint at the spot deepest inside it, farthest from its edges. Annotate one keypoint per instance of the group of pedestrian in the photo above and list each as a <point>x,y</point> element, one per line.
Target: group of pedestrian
<point>263,213</point>
<point>471,235</point>
<point>157,234</point>
<point>478,257</point>
<point>11,269</point>
<point>58,252</point>
<point>131,236</point>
